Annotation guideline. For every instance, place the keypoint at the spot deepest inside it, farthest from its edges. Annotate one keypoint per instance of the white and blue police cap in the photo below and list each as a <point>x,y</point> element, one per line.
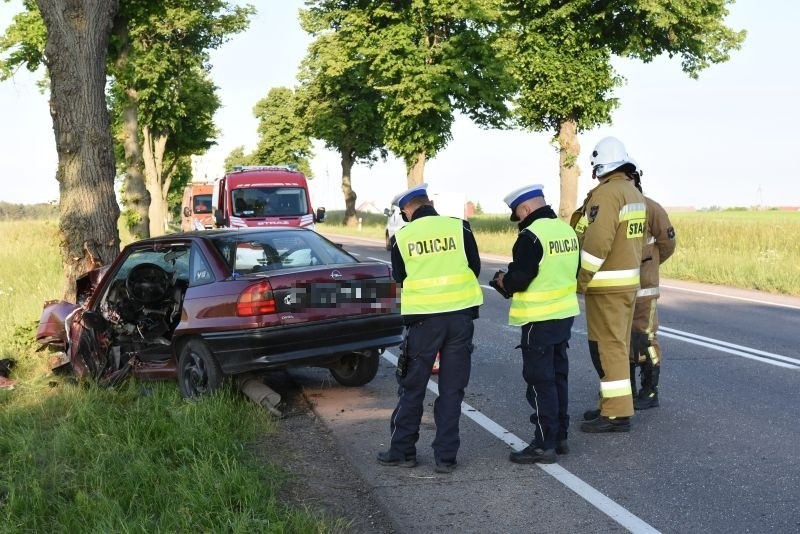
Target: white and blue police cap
<point>408,194</point>
<point>518,196</point>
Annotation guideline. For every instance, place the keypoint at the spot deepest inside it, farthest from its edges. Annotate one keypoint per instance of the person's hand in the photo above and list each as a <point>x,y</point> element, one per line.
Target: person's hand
<point>497,283</point>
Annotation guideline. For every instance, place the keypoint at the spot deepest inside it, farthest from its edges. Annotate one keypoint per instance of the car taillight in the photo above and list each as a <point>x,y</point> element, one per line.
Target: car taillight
<point>257,299</point>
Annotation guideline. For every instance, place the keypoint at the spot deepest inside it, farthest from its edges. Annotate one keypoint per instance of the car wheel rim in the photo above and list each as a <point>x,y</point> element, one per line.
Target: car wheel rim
<point>195,374</point>
<point>347,366</point>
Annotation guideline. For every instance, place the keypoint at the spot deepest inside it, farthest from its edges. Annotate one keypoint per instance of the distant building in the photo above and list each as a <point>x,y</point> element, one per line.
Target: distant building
<point>368,207</point>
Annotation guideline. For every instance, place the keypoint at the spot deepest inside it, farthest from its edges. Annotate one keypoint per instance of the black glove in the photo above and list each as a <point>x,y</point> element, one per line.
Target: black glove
<point>493,283</point>
<point>640,343</point>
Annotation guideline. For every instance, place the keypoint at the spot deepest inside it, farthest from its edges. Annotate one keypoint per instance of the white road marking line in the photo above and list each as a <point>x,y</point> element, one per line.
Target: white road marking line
<point>733,345</point>
<point>378,259</point>
<point>722,346</point>
<point>721,295</point>
<point>582,489</point>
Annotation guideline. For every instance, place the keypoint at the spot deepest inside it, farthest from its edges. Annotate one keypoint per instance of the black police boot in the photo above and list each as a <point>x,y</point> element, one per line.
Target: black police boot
<point>445,466</point>
<point>396,460</point>
<point>607,424</point>
<point>532,454</point>
<point>562,447</point>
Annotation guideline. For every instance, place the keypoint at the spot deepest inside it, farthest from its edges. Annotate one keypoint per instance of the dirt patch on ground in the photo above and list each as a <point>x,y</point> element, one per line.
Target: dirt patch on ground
<point>322,480</point>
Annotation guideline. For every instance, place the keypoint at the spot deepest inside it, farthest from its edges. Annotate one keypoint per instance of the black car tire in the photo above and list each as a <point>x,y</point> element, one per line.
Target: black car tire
<point>388,241</point>
<point>355,369</point>
<point>199,372</point>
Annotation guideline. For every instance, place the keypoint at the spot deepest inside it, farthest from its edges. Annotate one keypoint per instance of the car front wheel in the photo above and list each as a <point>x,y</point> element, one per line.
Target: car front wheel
<point>355,369</point>
<point>199,372</point>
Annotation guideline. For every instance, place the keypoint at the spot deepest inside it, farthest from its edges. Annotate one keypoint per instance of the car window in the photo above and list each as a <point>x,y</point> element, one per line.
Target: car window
<point>199,271</point>
<point>267,201</point>
<point>174,260</point>
<point>275,250</point>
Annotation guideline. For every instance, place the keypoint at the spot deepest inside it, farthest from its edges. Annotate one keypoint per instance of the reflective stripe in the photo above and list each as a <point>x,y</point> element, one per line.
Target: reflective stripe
<point>445,300</point>
<point>653,355</point>
<point>623,277</point>
<point>590,263</point>
<point>636,210</point>
<point>648,292</point>
<point>542,310</point>
<point>615,388</point>
<point>439,281</point>
<point>541,296</point>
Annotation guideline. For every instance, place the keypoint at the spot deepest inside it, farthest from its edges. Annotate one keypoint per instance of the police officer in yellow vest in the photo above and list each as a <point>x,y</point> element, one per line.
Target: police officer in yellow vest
<point>541,283</point>
<point>436,261</point>
<point>645,349</point>
<point>610,227</point>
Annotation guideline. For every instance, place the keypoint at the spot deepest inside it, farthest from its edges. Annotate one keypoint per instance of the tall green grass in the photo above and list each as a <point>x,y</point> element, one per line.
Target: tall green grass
<point>747,249</point>
<point>76,458</point>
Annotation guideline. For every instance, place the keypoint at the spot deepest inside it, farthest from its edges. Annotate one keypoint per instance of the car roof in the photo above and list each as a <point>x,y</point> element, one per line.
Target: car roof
<point>210,234</point>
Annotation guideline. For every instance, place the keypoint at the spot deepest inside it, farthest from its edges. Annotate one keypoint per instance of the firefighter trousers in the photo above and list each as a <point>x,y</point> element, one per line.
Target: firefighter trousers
<point>609,317</point>
<point>645,350</point>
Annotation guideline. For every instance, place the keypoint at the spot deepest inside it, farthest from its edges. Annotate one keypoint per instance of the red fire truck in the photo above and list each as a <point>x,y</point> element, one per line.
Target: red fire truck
<point>270,195</point>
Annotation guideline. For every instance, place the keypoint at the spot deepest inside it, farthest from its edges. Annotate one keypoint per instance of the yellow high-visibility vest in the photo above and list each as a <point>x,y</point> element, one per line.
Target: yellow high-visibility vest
<point>438,277</point>
<point>552,294</point>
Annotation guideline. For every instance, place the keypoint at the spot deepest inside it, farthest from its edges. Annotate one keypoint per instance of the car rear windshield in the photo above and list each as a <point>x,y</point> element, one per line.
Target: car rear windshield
<point>267,201</point>
<point>253,252</point>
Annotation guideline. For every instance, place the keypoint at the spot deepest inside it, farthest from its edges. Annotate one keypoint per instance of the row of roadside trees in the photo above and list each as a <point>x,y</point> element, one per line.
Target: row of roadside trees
<point>131,93</point>
<point>391,75</point>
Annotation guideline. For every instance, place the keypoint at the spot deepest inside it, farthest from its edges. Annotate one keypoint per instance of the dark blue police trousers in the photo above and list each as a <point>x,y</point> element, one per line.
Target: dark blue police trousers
<point>450,335</point>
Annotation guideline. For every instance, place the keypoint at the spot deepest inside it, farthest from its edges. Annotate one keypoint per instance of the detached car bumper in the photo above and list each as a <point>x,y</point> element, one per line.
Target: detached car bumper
<point>314,345</point>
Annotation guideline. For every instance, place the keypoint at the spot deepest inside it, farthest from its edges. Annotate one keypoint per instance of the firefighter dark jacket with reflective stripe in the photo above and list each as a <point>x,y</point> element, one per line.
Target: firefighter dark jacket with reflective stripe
<point>438,275</point>
<point>610,227</point>
<point>659,246</point>
<point>551,294</point>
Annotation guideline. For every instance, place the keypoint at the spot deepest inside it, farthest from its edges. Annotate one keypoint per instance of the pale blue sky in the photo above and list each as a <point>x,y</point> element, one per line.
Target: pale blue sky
<point>727,139</point>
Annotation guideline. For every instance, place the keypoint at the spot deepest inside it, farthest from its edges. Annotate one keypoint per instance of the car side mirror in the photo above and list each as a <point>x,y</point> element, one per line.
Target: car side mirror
<point>387,212</point>
<point>219,220</point>
<point>187,212</point>
<point>320,217</point>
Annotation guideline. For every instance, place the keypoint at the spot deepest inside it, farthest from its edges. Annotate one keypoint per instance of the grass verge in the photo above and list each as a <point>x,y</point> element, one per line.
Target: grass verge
<point>76,458</point>
<point>750,250</point>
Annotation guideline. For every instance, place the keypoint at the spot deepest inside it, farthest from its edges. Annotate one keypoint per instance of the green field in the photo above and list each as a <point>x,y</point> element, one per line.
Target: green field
<point>747,249</point>
<point>75,458</point>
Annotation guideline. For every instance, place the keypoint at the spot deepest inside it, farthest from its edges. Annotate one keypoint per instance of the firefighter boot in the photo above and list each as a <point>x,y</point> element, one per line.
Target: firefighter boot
<point>648,395</point>
<point>607,424</point>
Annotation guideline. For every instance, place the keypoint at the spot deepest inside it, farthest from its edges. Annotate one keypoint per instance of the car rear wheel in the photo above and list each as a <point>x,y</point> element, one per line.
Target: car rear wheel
<point>199,372</point>
<point>356,369</point>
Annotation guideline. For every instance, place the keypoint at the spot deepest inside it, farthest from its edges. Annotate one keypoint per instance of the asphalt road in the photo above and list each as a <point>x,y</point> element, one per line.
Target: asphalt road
<point>721,453</point>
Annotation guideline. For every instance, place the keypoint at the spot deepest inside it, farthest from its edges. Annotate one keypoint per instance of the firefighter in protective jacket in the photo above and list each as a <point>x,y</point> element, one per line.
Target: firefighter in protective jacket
<point>645,349</point>
<point>610,227</point>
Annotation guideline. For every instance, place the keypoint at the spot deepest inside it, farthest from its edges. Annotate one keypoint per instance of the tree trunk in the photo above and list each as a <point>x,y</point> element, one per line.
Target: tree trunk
<point>568,151</point>
<point>347,189</point>
<point>75,54</point>
<point>416,170</point>
<point>153,153</point>
<point>135,194</point>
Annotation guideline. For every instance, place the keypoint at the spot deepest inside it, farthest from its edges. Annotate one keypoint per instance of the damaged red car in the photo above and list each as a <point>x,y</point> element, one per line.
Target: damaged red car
<point>199,306</point>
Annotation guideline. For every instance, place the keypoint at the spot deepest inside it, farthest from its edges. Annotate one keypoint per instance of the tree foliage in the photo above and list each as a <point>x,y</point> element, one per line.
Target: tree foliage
<point>336,103</point>
<point>559,55</point>
<point>428,59</point>
<point>282,137</point>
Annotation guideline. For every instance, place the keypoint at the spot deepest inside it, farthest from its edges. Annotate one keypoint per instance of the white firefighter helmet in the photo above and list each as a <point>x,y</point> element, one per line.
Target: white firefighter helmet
<point>608,154</point>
